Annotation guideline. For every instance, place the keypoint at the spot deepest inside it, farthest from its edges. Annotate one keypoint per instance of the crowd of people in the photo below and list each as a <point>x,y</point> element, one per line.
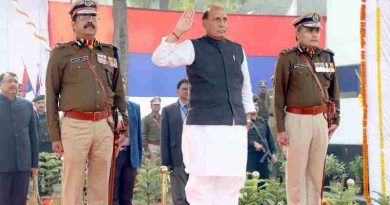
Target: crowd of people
<point>215,133</point>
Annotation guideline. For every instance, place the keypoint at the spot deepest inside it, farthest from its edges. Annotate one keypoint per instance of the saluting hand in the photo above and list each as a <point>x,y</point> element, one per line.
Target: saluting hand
<point>183,25</point>
<point>185,21</point>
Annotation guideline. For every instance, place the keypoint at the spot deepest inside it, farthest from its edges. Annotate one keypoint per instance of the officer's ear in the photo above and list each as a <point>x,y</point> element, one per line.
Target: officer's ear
<point>73,24</point>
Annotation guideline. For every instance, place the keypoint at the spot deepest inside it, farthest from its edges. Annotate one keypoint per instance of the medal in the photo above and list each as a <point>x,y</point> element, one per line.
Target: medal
<point>102,59</point>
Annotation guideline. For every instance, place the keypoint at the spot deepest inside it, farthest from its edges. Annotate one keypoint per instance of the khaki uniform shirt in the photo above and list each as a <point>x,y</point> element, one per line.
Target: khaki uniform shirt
<point>150,129</point>
<point>263,109</point>
<point>269,103</point>
<point>295,86</point>
<point>71,86</point>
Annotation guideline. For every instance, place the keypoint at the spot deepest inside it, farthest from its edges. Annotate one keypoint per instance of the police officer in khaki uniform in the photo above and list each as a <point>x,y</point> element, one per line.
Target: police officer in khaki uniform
<point>151,125</point>
<point>299,110</point>
<point>263,111</point>
<point>82,81</point>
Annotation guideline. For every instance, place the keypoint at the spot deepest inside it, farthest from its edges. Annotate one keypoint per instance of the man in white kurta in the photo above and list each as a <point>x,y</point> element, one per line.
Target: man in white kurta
<point>214,141</point>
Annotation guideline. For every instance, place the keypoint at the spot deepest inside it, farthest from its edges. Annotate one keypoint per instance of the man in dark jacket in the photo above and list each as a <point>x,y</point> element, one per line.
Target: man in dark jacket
<point>172,119</point>
<point>18,142</point>
<point>260,143</point>
<point>129,159</point>
<point>43,132</point>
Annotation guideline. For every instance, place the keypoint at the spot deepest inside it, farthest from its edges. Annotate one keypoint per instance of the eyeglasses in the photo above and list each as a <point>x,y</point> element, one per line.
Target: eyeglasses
<point>88,17</point>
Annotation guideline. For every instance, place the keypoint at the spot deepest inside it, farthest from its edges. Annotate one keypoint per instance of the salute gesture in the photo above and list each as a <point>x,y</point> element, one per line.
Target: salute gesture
<point>183,25</point>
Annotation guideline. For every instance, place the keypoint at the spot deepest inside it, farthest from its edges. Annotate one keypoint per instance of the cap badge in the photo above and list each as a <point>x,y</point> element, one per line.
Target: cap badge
<point>88,3</point>
<point>315,17</point>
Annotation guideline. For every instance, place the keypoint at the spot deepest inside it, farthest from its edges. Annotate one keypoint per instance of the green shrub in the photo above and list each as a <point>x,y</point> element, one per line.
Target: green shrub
<point>49,174</point>
<point>334,170</point>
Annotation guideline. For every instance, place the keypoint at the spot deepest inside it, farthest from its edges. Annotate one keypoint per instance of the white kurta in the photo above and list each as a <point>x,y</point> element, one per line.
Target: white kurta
<point>209,150</point>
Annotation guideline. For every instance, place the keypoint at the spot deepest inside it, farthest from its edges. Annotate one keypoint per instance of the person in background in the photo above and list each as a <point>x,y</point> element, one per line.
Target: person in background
<point>43,132</point>
<point>172,119</point>
<point>18,142</point>
<point>128,162</point>
<point>261,146</point>
<point>151,125</point>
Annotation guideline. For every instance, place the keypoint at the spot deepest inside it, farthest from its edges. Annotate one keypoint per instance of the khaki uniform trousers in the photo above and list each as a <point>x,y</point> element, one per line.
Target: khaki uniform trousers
<point>154,151</point>
<point>305,153</point>
<point>86,142</point>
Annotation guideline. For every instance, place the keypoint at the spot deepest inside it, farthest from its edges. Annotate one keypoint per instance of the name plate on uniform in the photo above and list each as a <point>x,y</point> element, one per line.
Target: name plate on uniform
<point>79,59</point>
<point>324,67</point>
<point>300,66</point>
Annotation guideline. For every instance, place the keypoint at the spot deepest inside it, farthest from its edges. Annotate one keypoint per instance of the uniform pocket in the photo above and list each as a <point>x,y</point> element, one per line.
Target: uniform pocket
<point>73,73</point>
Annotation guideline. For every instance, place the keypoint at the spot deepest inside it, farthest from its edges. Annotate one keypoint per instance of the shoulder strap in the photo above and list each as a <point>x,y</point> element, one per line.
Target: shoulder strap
<point>115,75</point>
<point>314,75</point>
<point>97,78</point>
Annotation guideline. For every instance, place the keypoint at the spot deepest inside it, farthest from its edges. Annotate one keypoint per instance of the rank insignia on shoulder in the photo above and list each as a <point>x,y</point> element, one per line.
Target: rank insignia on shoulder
<point>112,62</point>
<point>288,50</point>
<point>101,58</point>
<point>79,59</point>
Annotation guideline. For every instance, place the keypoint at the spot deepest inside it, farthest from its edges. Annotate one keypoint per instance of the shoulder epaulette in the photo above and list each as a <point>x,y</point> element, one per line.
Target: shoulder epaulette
<point>64,45</point>
<point>107,45</point>
<point>327,50</point>
<point>288,50</point>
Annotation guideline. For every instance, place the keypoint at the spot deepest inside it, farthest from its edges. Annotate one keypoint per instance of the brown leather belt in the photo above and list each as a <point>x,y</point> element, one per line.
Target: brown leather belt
<point>154,142</point>
<point>307,110</point>
<point>94,116</point>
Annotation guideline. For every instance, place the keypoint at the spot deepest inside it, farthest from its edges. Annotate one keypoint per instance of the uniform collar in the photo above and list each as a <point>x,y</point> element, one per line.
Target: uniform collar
<point>88,43</point>
<point>4,98</point>
<point>311,52</point>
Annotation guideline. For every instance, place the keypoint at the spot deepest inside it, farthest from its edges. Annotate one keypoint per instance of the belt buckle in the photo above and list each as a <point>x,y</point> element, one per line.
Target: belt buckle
<point>95,116</point>
<point>316,109</point>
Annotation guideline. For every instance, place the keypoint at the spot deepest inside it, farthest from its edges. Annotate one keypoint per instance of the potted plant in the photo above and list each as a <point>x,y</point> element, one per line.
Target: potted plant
<point>147,190</point>
<point>356,168</point>
<point>49,178</point>
<point>335,172</point>
<point>342,196</point>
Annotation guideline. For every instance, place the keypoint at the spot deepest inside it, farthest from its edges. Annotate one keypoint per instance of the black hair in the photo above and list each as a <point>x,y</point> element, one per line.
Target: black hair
<point>181,82</point>
<point>205,15</point>
<point>9,73</point>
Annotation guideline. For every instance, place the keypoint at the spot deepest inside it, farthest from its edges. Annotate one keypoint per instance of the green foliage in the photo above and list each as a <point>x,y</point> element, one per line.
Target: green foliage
<point>382,200</point>
<point>356,167</point>
<point>270,192</point>
<point>49,174</point>
<point>278,169</point>
<point>334,169</point>
<point>342,196</point>
<point>148,187</point>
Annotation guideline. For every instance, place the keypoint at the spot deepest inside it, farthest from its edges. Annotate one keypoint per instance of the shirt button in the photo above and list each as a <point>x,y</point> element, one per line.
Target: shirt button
<point>97,105</point>
<point>97,92</point>
<point>93,66</point>
<point>16,135</point>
